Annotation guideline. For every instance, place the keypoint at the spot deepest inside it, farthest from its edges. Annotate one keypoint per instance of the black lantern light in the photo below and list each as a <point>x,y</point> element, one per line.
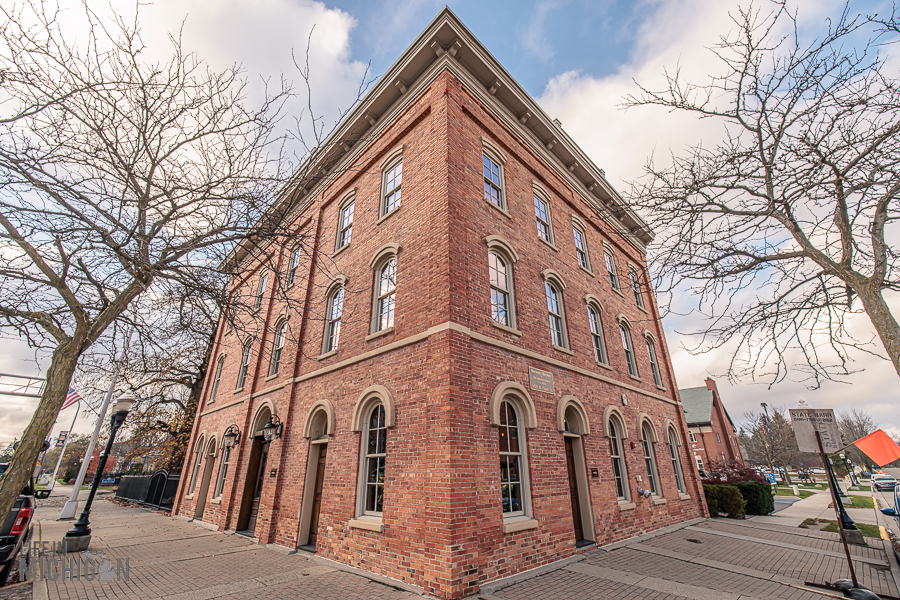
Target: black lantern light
<point>273,428</point>
<point>231,436</point>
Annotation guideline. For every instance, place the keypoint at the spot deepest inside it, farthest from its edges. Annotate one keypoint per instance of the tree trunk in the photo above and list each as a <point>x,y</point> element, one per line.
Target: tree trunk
<point>21,467</point>
<point>884,322</point>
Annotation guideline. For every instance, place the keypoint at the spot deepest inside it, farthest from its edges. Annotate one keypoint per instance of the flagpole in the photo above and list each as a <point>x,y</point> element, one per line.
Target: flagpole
<point>71,506</point>
<point>63,451</point>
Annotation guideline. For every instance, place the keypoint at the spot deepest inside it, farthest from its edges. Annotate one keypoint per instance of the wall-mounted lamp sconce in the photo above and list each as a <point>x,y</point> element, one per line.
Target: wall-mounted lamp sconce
<point>231,436</point>
<point>273,428</point>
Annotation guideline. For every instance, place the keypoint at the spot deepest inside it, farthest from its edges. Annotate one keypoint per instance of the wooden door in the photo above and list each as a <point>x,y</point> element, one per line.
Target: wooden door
<point>573,489</point>
<point>317,495</point>
<point>260,477</point>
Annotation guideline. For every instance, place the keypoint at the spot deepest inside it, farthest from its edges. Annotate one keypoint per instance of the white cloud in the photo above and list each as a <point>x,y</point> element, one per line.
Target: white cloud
<point>534,36</point>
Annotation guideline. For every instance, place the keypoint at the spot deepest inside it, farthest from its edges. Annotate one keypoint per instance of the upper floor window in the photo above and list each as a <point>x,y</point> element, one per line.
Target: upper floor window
<point>260,290</point>
<point>648,436</point>
<point>333,315</point>
<point>374,457</point>
<point>597,340</point>
<point>512,451</point>
<point>390,197</point>
<point>557,317</point>
<point>493,185</point>
<point>542,214</point>
<point>245,364</point>
<point>654,364</point>
<point>718,439</point>
<point>611,269</point>
<point>692,436</point>
<point>345,222</point>
<point>293,266</point>
<point>676,462</point>
<point>629,350</point>
<point>581,249</point>
<point>636,287</point>
<point>277,347</point>
<point>384,295</point>
<point>501,290</point>
<point>218,377</point>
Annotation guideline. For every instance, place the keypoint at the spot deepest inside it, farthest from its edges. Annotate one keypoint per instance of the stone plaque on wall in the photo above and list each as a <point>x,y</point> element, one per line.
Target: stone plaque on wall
<point>541,381</point>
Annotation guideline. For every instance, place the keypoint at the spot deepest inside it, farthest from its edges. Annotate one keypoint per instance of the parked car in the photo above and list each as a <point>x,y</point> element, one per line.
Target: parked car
<point>16,529</point>
<point>883,483</point>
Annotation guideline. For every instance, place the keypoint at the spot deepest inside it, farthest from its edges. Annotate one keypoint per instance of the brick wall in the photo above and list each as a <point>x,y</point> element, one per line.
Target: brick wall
<point>442,518</point>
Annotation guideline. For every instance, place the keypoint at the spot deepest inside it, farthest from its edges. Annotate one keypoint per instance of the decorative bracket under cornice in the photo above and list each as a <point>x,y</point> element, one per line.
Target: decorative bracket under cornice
<point>524,117</point>
<point>401,86</point>
<point>495,86</point>
<point>551,143</point>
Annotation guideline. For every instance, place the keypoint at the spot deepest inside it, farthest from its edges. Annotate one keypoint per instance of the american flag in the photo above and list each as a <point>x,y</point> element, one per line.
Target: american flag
<point>71,398</point>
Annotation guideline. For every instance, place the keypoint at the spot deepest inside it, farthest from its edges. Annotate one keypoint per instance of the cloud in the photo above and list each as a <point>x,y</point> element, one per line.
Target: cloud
<point>534,35</point>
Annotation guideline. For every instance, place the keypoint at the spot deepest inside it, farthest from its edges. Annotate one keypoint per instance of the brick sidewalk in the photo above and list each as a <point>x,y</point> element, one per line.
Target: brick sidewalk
<point>710,560</point>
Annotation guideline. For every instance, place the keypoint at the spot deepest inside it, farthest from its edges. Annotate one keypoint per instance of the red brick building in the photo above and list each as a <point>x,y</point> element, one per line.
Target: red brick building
<point>478,383</point>
<point>711,433</point>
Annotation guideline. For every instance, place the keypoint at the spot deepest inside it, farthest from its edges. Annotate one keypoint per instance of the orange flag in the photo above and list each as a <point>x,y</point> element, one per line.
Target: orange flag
<point>879,447</point>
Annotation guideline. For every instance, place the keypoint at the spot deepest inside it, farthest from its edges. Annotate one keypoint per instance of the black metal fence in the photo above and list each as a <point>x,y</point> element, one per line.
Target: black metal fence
<point>157,490</point>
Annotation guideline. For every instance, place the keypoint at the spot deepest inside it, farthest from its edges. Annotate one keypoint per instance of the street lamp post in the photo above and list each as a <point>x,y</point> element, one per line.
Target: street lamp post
<point>849,525</point>
<point>78,538</point>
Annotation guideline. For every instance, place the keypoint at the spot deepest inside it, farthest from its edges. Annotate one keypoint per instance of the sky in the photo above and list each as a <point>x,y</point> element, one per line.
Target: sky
<point>578,59</point>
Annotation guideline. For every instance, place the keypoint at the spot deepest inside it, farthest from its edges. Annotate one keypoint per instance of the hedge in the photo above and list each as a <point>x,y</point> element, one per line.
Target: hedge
<point>758,496</point>
<point>724,498</point>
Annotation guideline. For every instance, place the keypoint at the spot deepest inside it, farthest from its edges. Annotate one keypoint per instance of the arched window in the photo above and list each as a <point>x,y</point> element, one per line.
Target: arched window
<point>245,364</point>
<point>501,290</point>
<point>277,347</point>
<point>654,365</point>
<point>597,339</point>
<point>223,471</point>
<point>647,437</point>
<point>198,455</point>
<point>625,331</point>
<point>374,455</point>
<point>512,449</point>
<point>676,462</point>
<point>556,314</point>
<point>218,377</point>
<point>334,311</point>
<point>386,287</point>
<point>617,455</point>
<point>260,290</point>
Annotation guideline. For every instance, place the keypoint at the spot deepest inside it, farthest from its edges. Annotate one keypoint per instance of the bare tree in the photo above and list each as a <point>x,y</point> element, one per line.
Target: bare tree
<point>856,423</point>
<point>779,228</point>
<point>769,440</point>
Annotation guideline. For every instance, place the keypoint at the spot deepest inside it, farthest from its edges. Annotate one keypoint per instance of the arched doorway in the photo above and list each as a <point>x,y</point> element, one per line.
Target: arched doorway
<point>210,458</point>
<point>319,425</point>
<point>256,471</point>
<point>574,425</point>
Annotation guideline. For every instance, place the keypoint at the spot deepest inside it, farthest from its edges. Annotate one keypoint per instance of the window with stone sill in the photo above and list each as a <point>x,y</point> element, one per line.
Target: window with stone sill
<point>692,436</point>
<point>611,270</point>
<point>512,451</point>
<point>198,454</point>
<point>654,365</point>
<point>629,350</point>
<point>385,291</point>
<point>220,363</point>
<point>636,287</point>
<point>650,459</point>
<point>597,339</point>
<point>542,215</point>
<point>500,275</point>
<point>676,462</point>
<point>245,365</point>
<point>293,266</point>
<point>581,251</point>
<point>260,291</point>
<point>493,182</point>
<point>556,314</point>
<point>345,225</point>
<point>392,188</point>
<point>616,455</point>
<point>223,471</point>
<point>333,315</point>
<point>374,456</point>
<point>277,347</point>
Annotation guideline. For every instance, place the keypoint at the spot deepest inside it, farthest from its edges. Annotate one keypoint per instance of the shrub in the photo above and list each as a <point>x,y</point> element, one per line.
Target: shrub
<point>758,496</point>
<point>727,499</point>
